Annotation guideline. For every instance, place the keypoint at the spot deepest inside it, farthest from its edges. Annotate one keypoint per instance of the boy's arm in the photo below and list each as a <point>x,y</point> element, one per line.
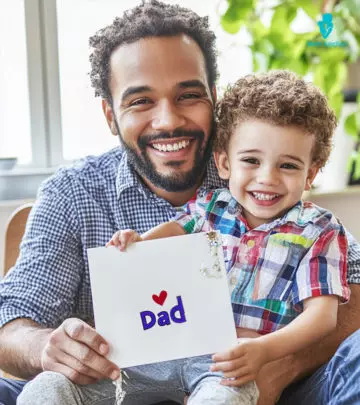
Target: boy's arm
<point>243,362</point>
<point>274,377</point>
<point>164,231</point>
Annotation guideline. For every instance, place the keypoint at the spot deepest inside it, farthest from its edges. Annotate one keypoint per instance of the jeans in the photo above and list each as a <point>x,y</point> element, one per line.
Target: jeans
<point>9,390</point>
<point>145,385</point>
<point>335,383</point>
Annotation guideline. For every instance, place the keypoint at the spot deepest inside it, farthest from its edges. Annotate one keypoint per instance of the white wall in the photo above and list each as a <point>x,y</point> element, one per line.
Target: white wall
<point>345,205</point>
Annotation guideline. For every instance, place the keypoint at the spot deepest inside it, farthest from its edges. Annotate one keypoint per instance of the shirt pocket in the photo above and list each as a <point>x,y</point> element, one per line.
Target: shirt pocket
<point>275,271</point>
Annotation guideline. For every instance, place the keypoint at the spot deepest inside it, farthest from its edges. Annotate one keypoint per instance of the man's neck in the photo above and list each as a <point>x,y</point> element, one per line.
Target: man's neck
<point>175,198</point>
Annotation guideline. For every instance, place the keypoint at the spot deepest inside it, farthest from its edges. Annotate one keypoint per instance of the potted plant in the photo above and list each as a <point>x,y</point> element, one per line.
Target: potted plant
<point>324,51</point>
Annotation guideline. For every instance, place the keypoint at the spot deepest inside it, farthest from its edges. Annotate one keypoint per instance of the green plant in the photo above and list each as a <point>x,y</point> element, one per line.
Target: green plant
<point>274,45</point>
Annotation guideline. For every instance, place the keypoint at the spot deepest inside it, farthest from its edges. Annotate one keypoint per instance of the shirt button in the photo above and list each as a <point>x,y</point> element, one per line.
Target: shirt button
<point>250,243</point>
<point>233,280</point>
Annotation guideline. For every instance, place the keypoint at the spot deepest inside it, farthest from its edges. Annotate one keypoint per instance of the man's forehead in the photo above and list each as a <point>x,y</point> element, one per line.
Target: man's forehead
<point>155,59</point>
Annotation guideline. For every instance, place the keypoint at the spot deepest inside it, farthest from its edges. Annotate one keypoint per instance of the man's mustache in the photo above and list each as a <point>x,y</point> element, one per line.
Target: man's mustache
<point>144,140</point>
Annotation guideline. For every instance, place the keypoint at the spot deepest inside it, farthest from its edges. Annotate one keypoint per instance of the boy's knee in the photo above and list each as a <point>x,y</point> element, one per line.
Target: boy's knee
<point>210,391</point>
<point>47,384</point>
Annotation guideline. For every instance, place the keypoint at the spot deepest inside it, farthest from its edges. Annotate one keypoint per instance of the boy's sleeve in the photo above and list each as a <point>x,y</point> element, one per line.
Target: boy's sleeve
<point>323,269</point>
<point>192,216</point>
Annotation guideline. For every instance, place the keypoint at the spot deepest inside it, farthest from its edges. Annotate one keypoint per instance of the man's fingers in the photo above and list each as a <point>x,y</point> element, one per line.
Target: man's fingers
<point>82,332</point>
<point>88,357</point>
<point>73,375</point>
<point>75,364</point>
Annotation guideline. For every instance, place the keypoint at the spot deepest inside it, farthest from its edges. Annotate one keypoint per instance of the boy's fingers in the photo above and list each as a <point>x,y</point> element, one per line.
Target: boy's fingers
<point>226,366</point>
<point>237,373</point>
<point>231,354</point>
<point>237,382</point>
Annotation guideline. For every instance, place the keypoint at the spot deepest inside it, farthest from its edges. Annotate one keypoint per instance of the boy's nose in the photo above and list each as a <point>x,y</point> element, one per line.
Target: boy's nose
<point>268,177</point>
<point>167,117</point>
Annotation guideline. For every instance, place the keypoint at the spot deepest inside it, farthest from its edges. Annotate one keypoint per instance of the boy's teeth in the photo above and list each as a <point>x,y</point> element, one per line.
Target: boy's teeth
<point>261,196</point>
<point>170,147</point>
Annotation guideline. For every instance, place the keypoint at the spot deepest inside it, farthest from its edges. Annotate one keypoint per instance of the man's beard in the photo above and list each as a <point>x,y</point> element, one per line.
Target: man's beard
<point>176,181</point>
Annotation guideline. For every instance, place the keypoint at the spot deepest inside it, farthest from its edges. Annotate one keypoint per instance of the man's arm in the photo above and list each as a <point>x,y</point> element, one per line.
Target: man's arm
<point>74,349</point>
<point>276,376</point>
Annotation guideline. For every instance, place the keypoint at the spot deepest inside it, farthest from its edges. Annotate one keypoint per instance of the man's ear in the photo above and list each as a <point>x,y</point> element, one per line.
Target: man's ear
<point>222,164</point>
<point>313,171</point>
<point>214,94</point>
<point>109,115</point>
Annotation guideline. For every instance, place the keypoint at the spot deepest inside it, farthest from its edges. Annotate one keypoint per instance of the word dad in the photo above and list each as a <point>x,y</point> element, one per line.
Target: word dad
<point>176,314</point>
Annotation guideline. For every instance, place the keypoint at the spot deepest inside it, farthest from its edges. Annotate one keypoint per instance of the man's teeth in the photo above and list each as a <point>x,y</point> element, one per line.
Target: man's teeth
<point>171,147</point>
<point>261,196</point>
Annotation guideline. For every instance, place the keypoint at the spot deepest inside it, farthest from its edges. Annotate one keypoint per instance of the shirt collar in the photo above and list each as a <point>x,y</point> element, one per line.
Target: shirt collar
<point>296,214</point>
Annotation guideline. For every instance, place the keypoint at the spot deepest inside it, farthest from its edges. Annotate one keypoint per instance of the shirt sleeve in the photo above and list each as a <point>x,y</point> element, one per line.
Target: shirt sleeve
<point>44,282</point>
<point>323,269</point>
<point>353,260</point>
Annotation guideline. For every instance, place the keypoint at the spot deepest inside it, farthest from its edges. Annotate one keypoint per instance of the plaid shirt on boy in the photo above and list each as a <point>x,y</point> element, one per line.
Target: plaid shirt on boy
<point>274,267</point>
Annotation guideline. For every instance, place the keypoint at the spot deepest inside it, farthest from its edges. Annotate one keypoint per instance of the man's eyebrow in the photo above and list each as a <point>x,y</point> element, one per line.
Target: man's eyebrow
<point>134,90</point>
<point>192,83</point>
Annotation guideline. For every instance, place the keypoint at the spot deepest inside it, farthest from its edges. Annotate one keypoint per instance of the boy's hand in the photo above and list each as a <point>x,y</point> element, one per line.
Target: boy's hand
<point>122,239</point>
<point>242,363</point>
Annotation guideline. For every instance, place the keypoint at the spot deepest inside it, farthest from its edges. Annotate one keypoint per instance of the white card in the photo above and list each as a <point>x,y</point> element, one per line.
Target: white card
<point>190,313</point>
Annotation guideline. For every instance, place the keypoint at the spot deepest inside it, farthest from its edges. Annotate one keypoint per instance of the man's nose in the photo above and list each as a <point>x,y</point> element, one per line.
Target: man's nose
<point>167,117</point>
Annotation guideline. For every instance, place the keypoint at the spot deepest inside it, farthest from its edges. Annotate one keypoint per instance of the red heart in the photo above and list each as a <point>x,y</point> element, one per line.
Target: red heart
<point>160,299</point>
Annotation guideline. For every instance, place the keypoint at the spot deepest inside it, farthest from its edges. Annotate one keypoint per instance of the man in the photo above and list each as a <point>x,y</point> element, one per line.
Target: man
<point>155,70</point>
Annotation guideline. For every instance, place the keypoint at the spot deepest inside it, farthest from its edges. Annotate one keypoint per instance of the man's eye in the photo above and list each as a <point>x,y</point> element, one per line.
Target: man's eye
<point>140,101</point>
<point>252,161</point>
<point>289,166</point>
<point>187,96</point>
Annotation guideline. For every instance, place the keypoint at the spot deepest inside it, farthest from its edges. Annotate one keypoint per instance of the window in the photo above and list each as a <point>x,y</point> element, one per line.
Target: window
<point>84,129</point>
<point>15,140</point>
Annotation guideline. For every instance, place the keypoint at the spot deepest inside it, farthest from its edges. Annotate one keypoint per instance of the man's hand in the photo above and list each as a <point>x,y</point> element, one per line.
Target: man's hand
<point>77,351</point>
<point>242,363</point>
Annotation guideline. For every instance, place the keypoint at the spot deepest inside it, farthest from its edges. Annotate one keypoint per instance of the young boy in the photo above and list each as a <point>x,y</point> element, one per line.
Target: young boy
<point>285,258</point>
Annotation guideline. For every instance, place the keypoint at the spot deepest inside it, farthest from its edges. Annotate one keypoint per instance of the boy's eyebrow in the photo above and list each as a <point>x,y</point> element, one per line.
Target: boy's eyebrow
<point>294,158</point>
<point>240,152</point>
<point>134,90</point>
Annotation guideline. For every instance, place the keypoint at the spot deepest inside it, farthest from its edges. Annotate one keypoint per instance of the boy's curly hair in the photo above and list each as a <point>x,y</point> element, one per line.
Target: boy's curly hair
<point>279,98</point>
<point>150,19</point>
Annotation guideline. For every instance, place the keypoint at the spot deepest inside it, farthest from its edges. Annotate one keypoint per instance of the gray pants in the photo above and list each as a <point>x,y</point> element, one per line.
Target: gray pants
<point>146,385</point>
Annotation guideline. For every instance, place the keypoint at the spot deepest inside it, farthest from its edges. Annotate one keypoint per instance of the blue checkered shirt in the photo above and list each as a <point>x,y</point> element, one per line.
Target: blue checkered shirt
<point>80,208</point>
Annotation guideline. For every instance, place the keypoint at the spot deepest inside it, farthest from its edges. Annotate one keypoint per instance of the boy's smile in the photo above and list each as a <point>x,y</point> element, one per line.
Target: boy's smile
<point>268,168</point>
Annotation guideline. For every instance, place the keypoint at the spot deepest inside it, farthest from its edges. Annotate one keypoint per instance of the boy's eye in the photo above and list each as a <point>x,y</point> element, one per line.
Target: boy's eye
<point>250,160</point>
<point>290,166</point>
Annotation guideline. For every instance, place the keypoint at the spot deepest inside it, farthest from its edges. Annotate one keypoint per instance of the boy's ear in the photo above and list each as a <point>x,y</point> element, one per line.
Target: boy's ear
<point>222,164</point>
<point>109,115</point>
<point>313,171</point>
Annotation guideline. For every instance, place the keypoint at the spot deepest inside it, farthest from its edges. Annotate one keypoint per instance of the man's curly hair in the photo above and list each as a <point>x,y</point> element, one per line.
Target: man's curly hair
<point>150,19</point>
<point>279,98</point>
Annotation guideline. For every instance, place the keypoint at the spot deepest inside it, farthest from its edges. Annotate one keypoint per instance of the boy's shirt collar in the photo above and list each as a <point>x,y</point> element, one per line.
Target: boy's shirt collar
<point>296,214</point>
